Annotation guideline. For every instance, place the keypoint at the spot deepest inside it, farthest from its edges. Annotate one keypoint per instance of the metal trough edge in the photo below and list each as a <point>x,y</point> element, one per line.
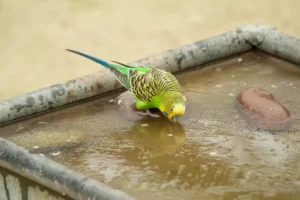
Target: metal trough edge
<point>54,175</point>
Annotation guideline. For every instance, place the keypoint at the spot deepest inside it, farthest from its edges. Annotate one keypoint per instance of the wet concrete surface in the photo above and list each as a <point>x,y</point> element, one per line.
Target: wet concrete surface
<point>210,154</point>
<point>34,35</point>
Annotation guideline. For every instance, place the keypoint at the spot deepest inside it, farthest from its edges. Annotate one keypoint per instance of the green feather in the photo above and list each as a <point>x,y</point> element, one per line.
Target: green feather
<point>121,71</point>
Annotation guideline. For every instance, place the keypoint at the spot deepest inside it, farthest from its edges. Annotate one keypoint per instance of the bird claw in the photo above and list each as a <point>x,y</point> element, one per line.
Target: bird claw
<point>149,113</point>
<point>185,99</point>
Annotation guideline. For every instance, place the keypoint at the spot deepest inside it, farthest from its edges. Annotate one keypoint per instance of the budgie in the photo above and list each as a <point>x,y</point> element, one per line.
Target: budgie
<point>151,87</point>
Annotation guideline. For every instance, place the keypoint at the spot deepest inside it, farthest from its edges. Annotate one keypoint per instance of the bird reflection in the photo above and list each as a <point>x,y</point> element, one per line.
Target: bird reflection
<point>157,136</point>
<point>152,133</point>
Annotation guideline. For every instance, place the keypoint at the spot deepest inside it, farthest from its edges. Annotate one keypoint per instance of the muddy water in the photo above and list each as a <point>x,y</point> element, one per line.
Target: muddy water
<point>34,35</point>
<point>210,154</point>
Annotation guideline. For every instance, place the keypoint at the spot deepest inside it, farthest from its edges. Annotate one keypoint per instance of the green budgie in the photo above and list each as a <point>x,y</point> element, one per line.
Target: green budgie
<point>151,87</point>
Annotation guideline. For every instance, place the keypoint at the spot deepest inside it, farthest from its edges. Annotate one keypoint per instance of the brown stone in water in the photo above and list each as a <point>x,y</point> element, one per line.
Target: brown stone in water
<point>262,110</point>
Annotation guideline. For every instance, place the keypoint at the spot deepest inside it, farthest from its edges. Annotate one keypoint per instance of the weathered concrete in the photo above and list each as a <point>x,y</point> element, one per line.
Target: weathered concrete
<point>3,194</point>
<point>16,186</point>
<point>13,187</point>
<point>272,41</point>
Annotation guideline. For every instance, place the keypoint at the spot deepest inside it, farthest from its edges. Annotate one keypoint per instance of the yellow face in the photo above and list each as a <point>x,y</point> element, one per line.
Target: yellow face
<point>175,111</point>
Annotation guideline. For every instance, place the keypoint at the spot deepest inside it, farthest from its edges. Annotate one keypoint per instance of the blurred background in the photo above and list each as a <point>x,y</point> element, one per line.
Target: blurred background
<point>35,33</point>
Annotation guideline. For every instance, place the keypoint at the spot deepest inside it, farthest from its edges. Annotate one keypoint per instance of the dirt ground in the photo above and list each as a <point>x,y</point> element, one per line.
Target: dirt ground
<point>34,34</point>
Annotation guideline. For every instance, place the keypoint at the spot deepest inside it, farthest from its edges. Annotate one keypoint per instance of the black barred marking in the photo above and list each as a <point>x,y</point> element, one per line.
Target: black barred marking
<point>121,77</point>
<point>152,83</point>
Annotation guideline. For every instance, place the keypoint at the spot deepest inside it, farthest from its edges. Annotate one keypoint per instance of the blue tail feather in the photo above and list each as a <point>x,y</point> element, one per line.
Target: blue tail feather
<point>101,62</point>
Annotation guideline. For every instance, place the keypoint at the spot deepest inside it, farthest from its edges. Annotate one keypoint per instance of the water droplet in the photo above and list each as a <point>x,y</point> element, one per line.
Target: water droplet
<point>55,154</point>
<point>146,162</point>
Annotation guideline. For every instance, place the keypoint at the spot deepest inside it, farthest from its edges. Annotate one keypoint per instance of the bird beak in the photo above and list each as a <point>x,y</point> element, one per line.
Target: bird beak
<point>174,119</point>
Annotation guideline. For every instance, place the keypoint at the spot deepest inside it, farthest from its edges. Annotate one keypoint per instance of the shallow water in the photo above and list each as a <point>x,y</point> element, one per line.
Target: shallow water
<point>210,154</point>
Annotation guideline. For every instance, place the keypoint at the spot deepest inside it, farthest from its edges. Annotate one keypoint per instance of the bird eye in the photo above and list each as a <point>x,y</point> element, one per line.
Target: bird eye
<point>165,113</point>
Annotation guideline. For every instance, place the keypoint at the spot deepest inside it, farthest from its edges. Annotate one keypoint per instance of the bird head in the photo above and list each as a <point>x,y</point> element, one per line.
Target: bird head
<point>174,112</point>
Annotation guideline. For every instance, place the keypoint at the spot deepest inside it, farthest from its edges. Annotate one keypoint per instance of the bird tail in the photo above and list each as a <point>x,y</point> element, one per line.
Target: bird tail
<point>99,61</point>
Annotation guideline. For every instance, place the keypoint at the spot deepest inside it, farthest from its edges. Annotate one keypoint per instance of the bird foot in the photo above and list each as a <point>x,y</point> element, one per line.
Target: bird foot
<point>149,113</point>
